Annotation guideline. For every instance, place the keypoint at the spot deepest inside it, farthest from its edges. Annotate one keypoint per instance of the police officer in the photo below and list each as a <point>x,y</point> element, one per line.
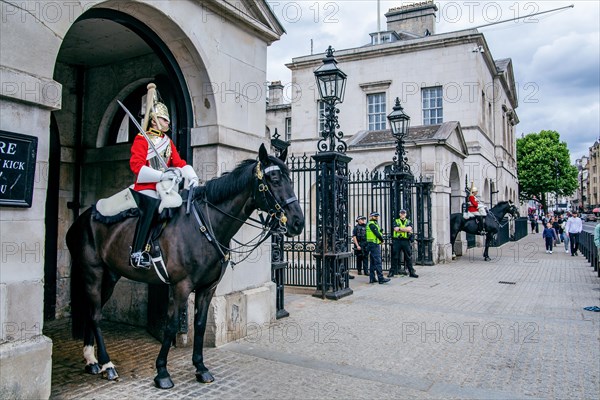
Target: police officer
<point>374,240</point>
<point>401,243</point>
<point>359,239</point>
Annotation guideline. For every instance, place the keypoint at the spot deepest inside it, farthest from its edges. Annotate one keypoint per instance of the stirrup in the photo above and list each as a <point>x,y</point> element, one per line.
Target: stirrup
<point>141,260</point>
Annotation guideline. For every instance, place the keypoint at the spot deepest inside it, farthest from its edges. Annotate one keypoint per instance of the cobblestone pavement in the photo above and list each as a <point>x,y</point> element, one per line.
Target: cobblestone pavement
<point>455,332</point>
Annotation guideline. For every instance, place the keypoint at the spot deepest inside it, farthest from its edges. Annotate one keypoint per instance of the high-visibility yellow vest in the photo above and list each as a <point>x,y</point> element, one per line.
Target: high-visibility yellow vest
<point>371,238</point>
<point>401,235</point>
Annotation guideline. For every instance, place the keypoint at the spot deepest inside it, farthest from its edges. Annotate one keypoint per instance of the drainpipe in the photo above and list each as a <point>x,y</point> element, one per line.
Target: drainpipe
<point>75,204</point>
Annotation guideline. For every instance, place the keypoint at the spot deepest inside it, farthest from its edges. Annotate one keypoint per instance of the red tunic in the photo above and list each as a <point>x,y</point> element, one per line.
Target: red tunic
<point>473,204</point>
<point>139,152</point>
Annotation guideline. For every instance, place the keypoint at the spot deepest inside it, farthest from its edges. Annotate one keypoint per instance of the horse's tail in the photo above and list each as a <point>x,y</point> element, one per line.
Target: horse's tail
<point>79,302</point>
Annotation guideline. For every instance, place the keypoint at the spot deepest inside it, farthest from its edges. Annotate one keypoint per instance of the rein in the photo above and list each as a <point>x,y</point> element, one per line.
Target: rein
<point>275,220</point>
<point>498,222</point>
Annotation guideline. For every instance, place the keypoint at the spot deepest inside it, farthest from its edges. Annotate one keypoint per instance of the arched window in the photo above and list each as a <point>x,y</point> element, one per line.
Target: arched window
<point>122,129</point>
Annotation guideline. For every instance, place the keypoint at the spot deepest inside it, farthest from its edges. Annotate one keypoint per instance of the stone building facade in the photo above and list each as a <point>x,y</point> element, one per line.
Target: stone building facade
<point>460,99</point>
<point>63,66</point>
<point>593,181</point>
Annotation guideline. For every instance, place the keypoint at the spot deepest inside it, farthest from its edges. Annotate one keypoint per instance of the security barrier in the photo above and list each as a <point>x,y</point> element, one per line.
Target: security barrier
<point>589,250</point>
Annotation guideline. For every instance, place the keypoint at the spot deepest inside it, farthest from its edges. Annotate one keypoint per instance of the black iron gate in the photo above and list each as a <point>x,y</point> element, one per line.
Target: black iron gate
<point>301,268</point>
<point>367,192</point>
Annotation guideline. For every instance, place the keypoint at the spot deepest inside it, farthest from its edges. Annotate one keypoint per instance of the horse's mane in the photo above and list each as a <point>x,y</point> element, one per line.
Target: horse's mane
<point>500,204</point>
<point>233,183</point>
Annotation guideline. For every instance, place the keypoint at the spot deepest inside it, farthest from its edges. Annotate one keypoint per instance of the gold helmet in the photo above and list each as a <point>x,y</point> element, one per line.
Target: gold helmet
<point>160,110</point>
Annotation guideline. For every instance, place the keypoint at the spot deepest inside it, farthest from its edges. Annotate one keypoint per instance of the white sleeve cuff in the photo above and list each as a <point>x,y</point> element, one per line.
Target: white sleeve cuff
<point>190,175</point>
<point>148,175</point>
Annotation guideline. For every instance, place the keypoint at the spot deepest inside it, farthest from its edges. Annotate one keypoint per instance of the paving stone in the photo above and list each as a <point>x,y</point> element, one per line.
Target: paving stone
<point>455,332</point>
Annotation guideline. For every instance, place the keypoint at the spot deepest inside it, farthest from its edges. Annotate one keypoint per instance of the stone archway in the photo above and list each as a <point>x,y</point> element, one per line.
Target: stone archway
<point>457,194</point>
<point>485,193</point>
<point>92,166</point>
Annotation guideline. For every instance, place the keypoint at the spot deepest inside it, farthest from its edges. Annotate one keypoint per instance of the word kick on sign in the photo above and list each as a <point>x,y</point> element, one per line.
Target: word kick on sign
<point>10,164</point>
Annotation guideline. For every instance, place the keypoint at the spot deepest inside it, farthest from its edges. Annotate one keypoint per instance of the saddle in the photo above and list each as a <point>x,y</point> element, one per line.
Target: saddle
<point>116,208</point>
<point>123,205</point>
<point>470,216</point>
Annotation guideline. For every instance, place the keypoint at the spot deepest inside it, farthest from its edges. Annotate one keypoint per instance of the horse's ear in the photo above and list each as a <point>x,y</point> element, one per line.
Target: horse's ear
<point>263,157</point>
<point>283,155</point>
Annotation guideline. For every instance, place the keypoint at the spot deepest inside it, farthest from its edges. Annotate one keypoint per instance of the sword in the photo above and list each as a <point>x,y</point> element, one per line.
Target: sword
<point>137,125</point>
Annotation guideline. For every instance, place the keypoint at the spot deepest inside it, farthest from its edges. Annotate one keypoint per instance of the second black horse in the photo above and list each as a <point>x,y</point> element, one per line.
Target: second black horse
<point>491,224</point>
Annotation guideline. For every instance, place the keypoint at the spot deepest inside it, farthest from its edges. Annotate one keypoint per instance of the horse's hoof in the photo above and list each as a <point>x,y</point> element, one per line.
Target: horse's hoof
<point>204,377</point>
<point>110,374</point>
<point>486,259</point>
<point>93,369</point>
<point>163,381</point>
<point>454,256</point>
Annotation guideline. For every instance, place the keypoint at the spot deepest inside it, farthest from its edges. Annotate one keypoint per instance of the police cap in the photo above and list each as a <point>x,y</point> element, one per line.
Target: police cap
<point>374,214</point>
<point>360,217</point>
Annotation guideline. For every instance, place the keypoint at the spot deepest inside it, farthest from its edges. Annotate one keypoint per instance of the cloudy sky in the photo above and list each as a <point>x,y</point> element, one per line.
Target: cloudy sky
<point>556,56</point>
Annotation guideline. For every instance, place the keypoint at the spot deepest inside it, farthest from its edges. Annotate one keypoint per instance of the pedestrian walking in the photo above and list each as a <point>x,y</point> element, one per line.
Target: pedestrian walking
<point>556,227</point>
<point>359,240</point>
<point>565,234</point>
<point>532,222</point>
<point>549,236</point>
<point>374,240</point>
<point>574,228</point>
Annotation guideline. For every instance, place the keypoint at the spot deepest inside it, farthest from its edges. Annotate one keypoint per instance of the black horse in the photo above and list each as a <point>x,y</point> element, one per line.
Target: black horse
<point>491,224</point>
<point>194,247</point>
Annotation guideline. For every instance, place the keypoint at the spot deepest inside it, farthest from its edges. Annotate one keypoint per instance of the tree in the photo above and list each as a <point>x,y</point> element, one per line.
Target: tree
<point>536,170</point>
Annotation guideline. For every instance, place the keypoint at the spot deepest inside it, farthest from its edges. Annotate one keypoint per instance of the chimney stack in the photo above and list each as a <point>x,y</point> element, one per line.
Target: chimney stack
<point>275,93</point>
<point>416,18</point>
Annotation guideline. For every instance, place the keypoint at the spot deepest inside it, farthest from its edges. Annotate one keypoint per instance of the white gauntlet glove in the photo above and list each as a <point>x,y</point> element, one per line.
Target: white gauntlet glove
<point>191,179</point>
<point>171,174</point>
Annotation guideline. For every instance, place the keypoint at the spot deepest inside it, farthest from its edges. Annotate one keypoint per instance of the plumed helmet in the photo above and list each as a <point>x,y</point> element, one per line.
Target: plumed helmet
<point>160,110</point>
<point>473,189</point>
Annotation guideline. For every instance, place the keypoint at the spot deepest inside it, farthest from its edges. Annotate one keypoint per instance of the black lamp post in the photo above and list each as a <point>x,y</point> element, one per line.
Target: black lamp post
<point>399,123</point>
<point>401,175</point>
<point>332,248</point>
<point>278,263</point>
<point>581,195</point>
<point>331,82</point>
<point>557,172</point>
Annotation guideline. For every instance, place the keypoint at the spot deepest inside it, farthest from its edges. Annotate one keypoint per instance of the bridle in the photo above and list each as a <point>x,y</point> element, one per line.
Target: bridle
<point>511,211</point>
<point>273,207</point>
<point>265,201</point>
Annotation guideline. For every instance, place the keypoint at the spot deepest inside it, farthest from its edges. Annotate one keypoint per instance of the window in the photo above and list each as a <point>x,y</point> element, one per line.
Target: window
<point>489,132</point>
<point>123,133</point>
<point>288,129</point>
<point>376,115</point>
<point>432,106</point>
<point>321,113</point>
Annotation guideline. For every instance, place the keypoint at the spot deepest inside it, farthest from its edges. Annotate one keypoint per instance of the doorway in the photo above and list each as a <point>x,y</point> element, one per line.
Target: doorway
<point>88,159</point>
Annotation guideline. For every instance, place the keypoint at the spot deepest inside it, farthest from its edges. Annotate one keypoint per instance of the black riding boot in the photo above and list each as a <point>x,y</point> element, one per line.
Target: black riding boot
<point>140,249</point>
<point>480,226</point>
